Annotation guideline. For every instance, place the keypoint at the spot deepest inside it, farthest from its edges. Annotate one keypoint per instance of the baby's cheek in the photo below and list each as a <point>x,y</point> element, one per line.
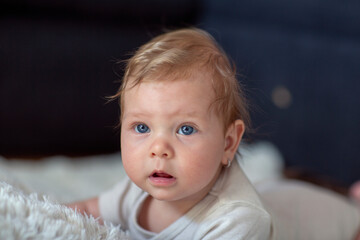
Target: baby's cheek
<point>129,144</point>
<point>133,155</point>
<point>131,166</point>
<point>199,168</point>
<point>127,155</point>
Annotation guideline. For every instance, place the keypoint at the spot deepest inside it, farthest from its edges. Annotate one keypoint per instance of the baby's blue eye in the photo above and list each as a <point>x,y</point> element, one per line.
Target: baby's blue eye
<point>186,130</point>
<point>142,128</point>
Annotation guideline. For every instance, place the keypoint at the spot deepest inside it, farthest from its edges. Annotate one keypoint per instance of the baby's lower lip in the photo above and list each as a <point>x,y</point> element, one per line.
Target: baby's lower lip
<point>162,181</point>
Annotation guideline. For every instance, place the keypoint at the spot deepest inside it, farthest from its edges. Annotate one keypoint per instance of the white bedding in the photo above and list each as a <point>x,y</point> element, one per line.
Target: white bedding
<point>62,178</point>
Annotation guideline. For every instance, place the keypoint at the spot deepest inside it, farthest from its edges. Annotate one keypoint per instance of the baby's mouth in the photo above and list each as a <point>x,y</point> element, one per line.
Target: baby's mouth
<point>162,179</point>
<point>161,175</point>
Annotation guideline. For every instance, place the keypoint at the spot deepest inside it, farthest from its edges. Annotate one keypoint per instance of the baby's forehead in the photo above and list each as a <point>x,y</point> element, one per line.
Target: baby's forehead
<point>195,91</point>
<point>192,73</point>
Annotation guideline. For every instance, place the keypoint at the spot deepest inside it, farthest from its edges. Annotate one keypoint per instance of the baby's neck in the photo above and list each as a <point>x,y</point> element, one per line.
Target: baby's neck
<point>156,215</point>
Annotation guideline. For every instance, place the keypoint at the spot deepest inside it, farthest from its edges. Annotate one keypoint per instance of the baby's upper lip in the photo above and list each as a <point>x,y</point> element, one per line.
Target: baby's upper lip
<point>160,173</point>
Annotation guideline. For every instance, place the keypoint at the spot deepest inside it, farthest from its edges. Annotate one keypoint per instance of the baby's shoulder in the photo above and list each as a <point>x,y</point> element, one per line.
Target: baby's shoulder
<point>238,209</point>
<point>236,219</point>
<point>234,189</point>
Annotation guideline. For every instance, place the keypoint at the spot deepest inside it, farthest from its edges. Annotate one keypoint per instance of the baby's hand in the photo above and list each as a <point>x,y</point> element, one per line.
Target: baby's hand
<point>90,207</point>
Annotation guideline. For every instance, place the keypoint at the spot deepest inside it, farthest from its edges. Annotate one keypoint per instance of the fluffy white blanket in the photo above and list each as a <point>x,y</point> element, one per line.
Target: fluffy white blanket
<point>36,217</point>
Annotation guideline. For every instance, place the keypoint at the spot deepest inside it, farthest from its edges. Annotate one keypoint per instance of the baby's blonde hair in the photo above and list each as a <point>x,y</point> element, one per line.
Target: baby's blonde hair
<point>181,53</point>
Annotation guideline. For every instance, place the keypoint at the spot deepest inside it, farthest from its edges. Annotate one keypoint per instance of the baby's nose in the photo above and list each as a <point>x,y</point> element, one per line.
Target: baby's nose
<point>161,148</point>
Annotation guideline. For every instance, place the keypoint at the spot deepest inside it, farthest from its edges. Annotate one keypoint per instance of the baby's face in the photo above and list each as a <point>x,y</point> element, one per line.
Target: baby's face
<point>172,144</point>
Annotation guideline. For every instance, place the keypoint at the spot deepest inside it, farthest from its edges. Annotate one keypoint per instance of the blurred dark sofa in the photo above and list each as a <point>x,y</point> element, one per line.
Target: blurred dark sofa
<point>57,66</point>
<point>299,61</point>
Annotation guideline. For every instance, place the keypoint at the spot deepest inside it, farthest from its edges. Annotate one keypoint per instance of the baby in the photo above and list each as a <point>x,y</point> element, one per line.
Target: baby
<point>183,115</point>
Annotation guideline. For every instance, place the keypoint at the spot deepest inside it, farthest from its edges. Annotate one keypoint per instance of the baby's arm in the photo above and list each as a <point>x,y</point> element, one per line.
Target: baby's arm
<point>89,206</point>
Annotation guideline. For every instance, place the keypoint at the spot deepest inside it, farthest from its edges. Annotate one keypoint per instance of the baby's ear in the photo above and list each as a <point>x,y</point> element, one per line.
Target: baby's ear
<point>233,137</point>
